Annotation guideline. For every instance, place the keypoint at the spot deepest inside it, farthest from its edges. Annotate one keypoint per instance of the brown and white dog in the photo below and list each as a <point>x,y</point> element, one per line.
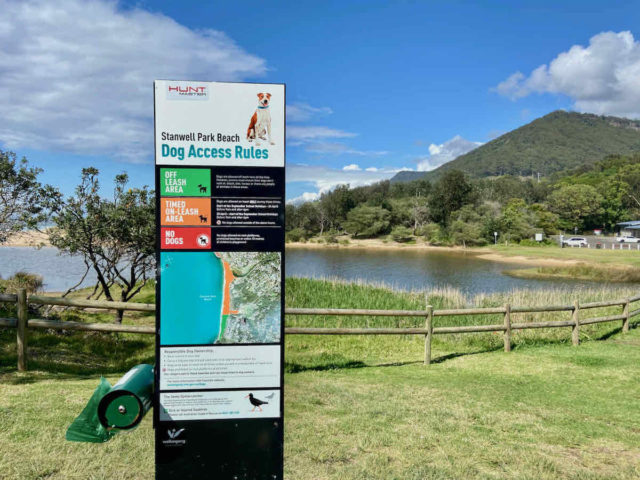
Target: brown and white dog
<point>260,124</point>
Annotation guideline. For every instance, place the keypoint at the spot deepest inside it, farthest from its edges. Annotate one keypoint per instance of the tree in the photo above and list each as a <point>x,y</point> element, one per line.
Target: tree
<point>575,204</point>
<point>464,234</point>
<point>516,222</point>
<point>24,202</point>
<point>365,221</point>
<point>615,195</point>
<point>466,227</point>
<point>449,194</point>
<point>544,219</point>
<point>116,238</point>
<point>334,206</point>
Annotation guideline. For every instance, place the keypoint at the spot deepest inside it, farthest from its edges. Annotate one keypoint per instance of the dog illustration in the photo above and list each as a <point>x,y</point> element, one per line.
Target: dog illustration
<point>203,219</point>
<point>260,124</point>
<point>202,189</point>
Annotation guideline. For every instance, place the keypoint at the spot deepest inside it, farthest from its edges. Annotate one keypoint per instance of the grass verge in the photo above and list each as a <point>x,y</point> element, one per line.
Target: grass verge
<point>363,407</point>
<point>595,273</point>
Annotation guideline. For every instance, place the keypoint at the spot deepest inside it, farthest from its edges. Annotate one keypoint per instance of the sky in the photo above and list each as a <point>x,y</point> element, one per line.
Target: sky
<point>372,87</point>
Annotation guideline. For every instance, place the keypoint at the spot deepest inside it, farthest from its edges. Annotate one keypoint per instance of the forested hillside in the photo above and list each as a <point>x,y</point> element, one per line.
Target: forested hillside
<point>556,142</point>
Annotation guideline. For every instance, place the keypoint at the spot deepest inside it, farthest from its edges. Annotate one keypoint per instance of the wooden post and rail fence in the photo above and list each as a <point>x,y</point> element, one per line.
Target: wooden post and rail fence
<point>22,322</point>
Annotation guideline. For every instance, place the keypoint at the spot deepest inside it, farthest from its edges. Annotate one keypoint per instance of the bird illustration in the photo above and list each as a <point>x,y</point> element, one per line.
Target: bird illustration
<point>270,396</point>
<point>256,402</point>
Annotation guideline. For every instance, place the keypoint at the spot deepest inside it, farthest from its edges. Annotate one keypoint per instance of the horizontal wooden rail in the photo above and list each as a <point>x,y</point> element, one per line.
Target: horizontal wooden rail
<point>610,318</point>
<point>68,302</point>
<point>468,311</point>
<point>91,327</point>
<point>355,311</point>
<point>355,331</point>
<point>557,324</point>
<point>8,297</point>
<point>8,322</point>
<point>549,308</point>
<point>610,303</point>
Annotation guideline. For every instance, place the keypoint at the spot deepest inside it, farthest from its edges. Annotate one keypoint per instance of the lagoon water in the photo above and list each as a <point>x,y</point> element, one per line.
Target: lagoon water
<point>415,270</point>
<point>404,269</point>
<point>191,295</point>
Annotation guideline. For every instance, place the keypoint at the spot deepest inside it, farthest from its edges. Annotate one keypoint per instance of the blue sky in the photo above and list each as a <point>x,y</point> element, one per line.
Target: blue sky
<point>372,87</point>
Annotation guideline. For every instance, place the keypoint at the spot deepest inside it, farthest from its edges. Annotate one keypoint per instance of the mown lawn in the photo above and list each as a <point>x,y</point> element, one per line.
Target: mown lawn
<point>362,407</point>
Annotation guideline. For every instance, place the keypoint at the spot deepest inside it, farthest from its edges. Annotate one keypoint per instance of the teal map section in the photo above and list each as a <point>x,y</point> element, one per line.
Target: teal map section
<point>191,294</point>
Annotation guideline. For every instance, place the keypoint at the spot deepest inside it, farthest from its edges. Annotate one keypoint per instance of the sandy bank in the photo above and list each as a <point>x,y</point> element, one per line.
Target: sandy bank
<point>27,239</point>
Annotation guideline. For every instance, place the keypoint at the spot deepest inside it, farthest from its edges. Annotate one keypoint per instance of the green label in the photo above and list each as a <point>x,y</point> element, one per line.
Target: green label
<point>187,182</point>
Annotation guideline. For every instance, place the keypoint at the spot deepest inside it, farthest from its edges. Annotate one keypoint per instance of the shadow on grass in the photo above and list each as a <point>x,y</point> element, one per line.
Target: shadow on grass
<point>52,354</point>
<point>334,363</point>
<point>450,356</point>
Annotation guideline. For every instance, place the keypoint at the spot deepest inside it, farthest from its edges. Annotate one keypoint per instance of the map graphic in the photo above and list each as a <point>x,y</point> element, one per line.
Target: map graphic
<point>213,297</point>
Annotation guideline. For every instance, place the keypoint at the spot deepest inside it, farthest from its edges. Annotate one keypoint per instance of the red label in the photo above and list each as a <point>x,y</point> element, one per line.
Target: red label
<point>185,238</point>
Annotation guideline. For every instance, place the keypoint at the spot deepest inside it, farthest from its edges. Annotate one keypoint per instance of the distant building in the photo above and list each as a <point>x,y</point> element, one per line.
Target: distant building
<point>629,229</point>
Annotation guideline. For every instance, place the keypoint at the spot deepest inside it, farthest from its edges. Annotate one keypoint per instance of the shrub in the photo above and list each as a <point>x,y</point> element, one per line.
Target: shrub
<point>296,235</point>
<point>401,234</point>
<point>527,242</point>
<point>32,282</point>
<point>432,232</point>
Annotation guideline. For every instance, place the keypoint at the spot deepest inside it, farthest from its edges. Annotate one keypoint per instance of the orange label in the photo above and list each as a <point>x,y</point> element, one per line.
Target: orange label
<point>185,211</point>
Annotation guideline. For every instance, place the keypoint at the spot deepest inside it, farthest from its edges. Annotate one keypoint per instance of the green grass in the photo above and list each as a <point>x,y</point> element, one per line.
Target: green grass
<point>364,407</point>
<point>587,255</point>
<point>581,271</point>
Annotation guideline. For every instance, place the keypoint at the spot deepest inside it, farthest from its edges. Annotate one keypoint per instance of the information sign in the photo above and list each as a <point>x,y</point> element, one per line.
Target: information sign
<point>220,177</point>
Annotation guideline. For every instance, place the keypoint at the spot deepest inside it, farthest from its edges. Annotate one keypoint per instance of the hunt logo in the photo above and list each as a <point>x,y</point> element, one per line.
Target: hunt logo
<point>173,440</point>
<point>187,91</point>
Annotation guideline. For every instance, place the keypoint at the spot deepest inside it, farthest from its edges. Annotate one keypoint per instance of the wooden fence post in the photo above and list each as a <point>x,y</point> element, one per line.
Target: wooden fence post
<point>507,328</point>
<point>625,312</point>
<point>429,336</point>
<point>575,330</point>
<point>21,329</point>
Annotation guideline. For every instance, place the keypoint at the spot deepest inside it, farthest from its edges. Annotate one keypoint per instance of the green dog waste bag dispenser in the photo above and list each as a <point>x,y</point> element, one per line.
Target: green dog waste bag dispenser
<point>124,406</point>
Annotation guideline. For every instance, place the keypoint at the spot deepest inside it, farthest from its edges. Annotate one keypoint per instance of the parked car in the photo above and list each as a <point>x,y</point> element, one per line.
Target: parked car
<point>627,239</point>
<point>575,242</point>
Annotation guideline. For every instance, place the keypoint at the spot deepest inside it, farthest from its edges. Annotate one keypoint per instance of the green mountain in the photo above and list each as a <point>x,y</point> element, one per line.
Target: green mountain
<point>558,141</point>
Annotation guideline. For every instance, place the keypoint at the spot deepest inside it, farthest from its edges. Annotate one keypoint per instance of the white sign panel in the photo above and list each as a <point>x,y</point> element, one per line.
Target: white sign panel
<point>219,405</point>
<point>192,368</point>
<point>244,124</point>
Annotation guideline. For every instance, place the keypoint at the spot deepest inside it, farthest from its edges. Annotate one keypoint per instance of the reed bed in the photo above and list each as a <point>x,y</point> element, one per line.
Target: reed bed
<point>331,293</point>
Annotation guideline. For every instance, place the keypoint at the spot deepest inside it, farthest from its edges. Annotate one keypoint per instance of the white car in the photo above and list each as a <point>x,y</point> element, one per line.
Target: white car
<point>575,242</point>
<point>627,239</point>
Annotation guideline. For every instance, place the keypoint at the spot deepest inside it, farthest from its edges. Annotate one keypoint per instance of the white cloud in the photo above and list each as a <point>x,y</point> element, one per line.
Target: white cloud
<point>325,179</point>
<point>310,133</point>
<point>305,197</point>
<point>445,152</point>
<point>371,169</point>
<point>601,78</point>
<point>352,167</point>
<point>76,75</point>
<point>300,112</point>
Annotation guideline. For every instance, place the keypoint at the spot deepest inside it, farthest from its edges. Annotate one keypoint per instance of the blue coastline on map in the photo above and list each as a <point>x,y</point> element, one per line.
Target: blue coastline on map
<point>191,290</point>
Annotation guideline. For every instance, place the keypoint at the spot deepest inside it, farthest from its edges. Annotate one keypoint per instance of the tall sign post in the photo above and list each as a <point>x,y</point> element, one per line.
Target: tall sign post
<point>219,177</point>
